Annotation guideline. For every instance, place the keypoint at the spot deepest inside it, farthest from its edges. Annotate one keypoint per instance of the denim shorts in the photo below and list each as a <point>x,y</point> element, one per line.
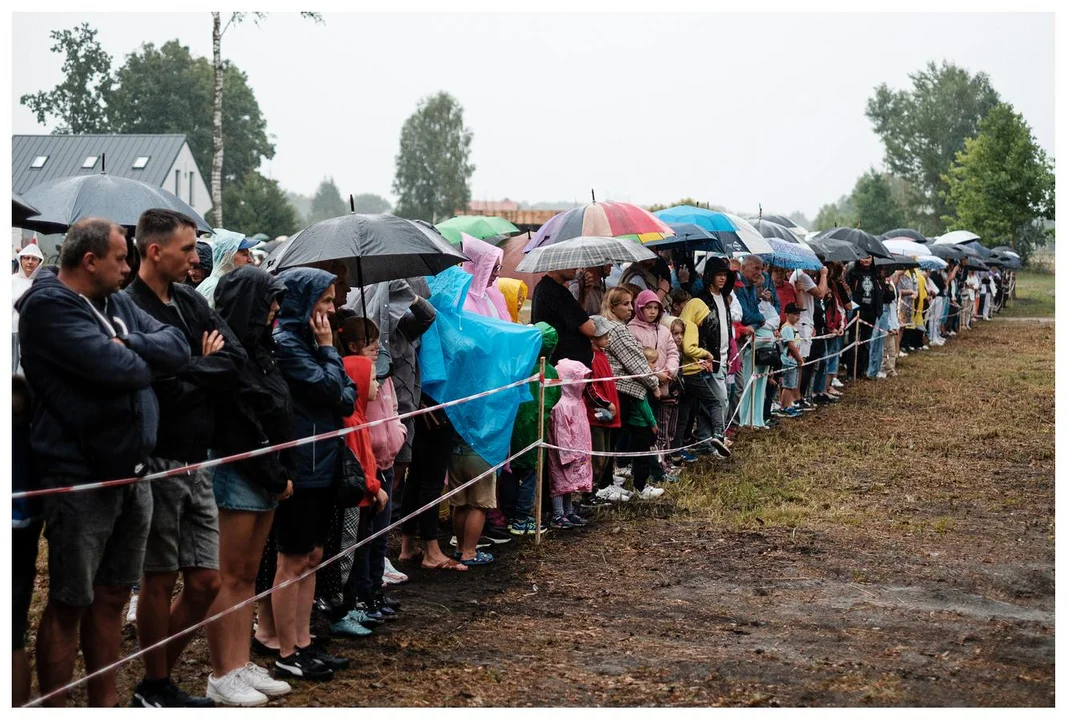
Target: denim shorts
<point>789,378</point>
<point>234,492</point>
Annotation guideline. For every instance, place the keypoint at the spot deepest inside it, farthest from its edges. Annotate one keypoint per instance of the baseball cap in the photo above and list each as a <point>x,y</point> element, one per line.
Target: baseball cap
<point>792,309</point>
<point>601,326</point>
<point>248,243</point>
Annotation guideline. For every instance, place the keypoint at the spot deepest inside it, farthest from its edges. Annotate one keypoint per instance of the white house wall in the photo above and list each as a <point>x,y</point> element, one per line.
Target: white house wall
<point>183,165</point>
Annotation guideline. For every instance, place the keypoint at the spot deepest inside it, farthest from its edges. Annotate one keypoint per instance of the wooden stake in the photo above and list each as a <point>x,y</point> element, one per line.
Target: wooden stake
<point>541,453</point>
<point>752,385</point>
<point>856,347</point>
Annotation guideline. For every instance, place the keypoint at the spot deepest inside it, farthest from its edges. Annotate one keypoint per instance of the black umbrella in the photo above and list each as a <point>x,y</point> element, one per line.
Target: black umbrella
<point>897,262</point>
<point>64,201</point>
<point>978,247</point>
<point>907,233</point>
<point>949,252</point>
<point>689,236</point>
<point>375,248</point>
<point>855,236</point>
<point>772,229</point>
<point>777,219</point>
<point>831,250</point>
<point>20,210</point>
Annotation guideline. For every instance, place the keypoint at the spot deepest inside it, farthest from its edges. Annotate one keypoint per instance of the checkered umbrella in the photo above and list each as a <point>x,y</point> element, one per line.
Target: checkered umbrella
<point>583,252</point>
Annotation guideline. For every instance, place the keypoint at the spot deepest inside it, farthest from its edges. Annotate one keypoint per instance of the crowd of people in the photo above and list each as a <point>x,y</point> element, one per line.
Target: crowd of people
<point>155,357</point>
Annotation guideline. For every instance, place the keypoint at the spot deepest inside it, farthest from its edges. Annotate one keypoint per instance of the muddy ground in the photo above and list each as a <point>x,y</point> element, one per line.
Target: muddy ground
<point>896,549</point>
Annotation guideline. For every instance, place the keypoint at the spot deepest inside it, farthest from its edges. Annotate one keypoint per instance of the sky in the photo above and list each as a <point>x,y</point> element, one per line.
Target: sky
<point>732,109</point>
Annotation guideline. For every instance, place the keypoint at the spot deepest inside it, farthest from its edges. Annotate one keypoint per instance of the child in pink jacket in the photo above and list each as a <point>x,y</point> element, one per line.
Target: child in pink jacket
<point>570,470</point>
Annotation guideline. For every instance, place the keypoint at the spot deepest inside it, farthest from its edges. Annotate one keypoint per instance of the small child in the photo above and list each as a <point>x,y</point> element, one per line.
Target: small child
<point>570,470</point>
<point>602,409</point>
<point>791,360</point>
<point>641,424</point>
<point>668,415</point>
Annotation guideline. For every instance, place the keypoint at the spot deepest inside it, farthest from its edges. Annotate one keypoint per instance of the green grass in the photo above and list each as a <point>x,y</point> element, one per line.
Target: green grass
<point>1034,296</point>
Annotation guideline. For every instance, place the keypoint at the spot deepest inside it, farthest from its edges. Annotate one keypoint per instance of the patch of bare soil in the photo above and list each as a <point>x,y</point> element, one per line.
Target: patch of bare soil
<point>910,563</point>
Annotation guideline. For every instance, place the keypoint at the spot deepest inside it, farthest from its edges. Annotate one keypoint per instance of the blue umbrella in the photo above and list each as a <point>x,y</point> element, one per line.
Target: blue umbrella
<point>734,233</point>
<point>691,237</point>
<point>793,256</point>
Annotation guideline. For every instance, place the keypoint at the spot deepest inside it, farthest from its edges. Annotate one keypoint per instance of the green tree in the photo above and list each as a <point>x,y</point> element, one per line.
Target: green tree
<point>684,201</point>
<point>257,204</point>
<point>371,204</point>
<point>1001,181</point>
<point>168,90</point>
<point>80,101</point>
<point>327,203</point>
<point>832,215</point>
<point>923,128</point>
<point>875,208</point>
<point>434,171</point>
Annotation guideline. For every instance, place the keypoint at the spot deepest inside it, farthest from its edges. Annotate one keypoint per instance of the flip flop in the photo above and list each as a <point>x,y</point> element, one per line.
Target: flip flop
<point>447,564</point>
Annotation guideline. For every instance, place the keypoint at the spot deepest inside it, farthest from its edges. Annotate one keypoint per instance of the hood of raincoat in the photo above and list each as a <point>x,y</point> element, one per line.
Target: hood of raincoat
<point>205,254</point>
<point>695,311</point>
<point>386,303</point>
<point>644,298</point>
<point>515,294</point>
<point>225,245</point>
<point>484,257</point>
<point>30,250</point>
<point>244,302</point>
<point>359,368</point>
<point>572,370</point>
<point>303,287</point>
<point>549,338</point>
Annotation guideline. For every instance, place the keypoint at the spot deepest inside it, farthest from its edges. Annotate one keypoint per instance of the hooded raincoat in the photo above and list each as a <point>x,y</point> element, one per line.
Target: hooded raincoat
<point>525,429</point>
<point>570,470</point>
<point>515,295</point>
<point>656,336</point>
<point>483,297</point>
<point>322,393</point>
<point>360,370</point>
<point>225,245</point>
<point>693,314</point>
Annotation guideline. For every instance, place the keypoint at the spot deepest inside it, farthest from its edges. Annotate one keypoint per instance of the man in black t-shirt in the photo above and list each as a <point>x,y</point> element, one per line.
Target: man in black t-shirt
<point>553,303</point>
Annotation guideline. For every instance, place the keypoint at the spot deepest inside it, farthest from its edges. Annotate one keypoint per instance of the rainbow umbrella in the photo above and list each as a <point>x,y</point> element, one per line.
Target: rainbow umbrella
<point>601,219</point>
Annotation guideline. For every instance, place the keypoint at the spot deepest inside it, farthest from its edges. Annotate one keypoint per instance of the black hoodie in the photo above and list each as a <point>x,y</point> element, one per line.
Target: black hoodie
<point>260,413</point>
<point>95,416</point>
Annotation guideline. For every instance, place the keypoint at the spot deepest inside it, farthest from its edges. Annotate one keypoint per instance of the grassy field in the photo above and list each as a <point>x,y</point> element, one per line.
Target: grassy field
<point>1034,296</point>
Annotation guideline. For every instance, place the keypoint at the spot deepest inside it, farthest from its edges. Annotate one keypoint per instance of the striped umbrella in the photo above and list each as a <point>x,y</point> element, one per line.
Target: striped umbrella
<point>735,233</point>
<point>601,219</point>
<point>583,252</point>
<point>793,256</point>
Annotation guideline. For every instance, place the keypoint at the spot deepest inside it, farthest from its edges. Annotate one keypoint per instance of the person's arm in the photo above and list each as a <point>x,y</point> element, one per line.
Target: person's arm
<point>691,348</point>
<point>220,369</point>
<point>162,346</point>
<point>646,411</point>
<point>588,328</point>
<point>319,373</point>
<point>795,351</point>
<point>418,320</point>
<point>672,364</point>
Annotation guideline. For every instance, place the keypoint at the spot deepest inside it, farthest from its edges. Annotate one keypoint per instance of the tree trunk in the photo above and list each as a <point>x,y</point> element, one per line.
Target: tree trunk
<point>216,122</point>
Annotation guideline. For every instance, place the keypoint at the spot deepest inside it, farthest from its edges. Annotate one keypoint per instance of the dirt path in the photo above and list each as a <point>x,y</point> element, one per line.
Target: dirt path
<point>894,550</point>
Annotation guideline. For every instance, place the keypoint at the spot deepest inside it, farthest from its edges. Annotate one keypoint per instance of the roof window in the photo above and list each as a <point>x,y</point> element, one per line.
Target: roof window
<point>140,162</point>
<point>39,162</point>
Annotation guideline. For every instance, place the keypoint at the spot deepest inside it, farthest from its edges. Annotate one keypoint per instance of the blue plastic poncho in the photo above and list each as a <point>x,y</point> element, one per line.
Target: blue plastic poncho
<point>463,354</point>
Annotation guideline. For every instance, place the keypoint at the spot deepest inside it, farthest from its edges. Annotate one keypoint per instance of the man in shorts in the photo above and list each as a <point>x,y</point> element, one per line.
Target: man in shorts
<point>90,356</point>
<point>469,506</point>
<point>184,533</point>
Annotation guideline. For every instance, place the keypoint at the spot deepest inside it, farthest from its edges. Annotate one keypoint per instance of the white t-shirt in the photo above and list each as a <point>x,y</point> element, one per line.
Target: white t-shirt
<point>804,283</point>
<point>724,326</point>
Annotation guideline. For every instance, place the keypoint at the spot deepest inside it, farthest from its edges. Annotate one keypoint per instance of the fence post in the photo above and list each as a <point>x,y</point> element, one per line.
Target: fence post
<point>541,453</point>
<point>752,384</point>
<point>856,346</point>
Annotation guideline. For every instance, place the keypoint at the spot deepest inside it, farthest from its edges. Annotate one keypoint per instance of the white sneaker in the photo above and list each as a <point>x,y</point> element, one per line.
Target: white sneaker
<point>836,383</point>
<point>620,479</point>
<point>131,614</point>
<point>613,493</point>
<point>392,576</point>
<point>622,471</point>
<point>902,354</point>
<point>231,689</point>
<point>926,347</point>
<point>881,376</point>
<point>259,679</point>
<point>650,492</point>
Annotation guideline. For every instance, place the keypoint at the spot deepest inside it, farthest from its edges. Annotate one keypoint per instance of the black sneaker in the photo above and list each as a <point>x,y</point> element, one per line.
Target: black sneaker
<point>371,612</point>
<point>387,601</point>
<point>387,613</point>
<point>262,650</point>
<point>302,665</point>
<point>720,447</point>
<point>333,662</point>
<point>165,694</point>
<point>822,399</point>
<point>498,536</point>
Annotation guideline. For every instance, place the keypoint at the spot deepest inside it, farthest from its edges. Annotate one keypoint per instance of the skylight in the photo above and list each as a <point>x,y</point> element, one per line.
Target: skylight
<point>140,162</point>
<point>39,161</point>
<point>89,162</point>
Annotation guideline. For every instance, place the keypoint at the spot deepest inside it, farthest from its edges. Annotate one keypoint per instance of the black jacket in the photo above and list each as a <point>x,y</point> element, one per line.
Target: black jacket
<point>95,416</point>
<point>187,398</point>
<point>260,412</point>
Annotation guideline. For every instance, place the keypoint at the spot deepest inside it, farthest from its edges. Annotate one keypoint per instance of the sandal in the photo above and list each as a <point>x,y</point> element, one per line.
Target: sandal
<point>417,556</point>
<point>447,564</point>
<point>480,558</point>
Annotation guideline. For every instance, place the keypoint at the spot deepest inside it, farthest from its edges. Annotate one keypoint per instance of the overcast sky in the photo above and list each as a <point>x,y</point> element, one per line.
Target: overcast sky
<point>732,109</point>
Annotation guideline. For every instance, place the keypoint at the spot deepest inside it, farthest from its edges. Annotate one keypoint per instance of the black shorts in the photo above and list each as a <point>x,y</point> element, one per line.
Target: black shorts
<point>302,521</point>
<point>24,542</point>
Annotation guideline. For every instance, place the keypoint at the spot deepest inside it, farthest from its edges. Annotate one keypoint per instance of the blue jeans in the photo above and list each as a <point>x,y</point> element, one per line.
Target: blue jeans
<point>875,354</point>
<point>366,577</point>
<point>834,345</point>
<point>524,499</point>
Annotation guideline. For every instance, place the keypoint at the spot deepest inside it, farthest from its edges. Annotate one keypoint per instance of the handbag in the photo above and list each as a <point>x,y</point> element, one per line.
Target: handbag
<point>350,486</point>
<point>768,355</point>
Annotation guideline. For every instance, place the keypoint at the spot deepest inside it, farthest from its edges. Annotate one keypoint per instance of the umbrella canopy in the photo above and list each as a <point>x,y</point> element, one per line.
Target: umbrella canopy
<point>769,229</point>
<point>867,242</point>
<point>1005,250</point>
<point>736,234</point>
<point>955,238</point>
<point>483,227</point>
<point>20,210</point>
<point>975,246</point>
<point>600,219</point>
<point>897,262</point>
<point>931,262</point>
<point>690,236</point>
<point>793,256</point>
<point>583,252</point>
<point>905,234</point>
<point>778,220</point>
<point>831,250</point>
<point>376,248</point>
<point>65,201</point>
<point>949,252</point>
<point>270,246</point>
<point>901,246</point>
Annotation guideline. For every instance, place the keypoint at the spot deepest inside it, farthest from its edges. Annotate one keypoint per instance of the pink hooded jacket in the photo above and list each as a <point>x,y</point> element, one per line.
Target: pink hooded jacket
<point>656,336</point>
<point>483,298</point>
<point>388,438</point>
<point>570,470</point>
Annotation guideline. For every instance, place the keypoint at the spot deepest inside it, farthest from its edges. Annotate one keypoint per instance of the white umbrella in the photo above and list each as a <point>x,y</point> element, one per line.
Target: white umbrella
<point>582,252</point>
<point>902,246</point>
<point>956,237</point>
<point>749,235</point>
